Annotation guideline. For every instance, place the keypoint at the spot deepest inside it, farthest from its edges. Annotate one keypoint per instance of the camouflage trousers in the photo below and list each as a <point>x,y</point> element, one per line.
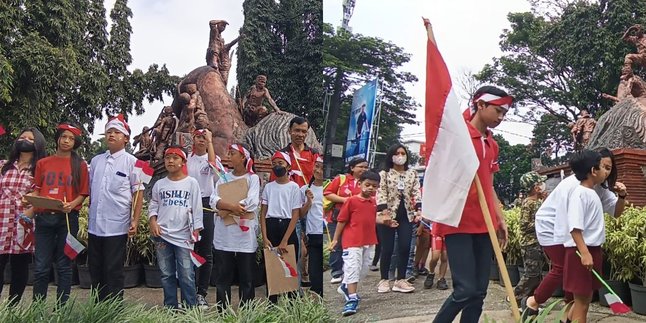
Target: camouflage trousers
<point>533,260</point>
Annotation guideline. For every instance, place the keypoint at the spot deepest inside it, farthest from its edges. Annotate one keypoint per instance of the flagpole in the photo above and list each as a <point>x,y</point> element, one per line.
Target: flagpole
<point>496,249</point>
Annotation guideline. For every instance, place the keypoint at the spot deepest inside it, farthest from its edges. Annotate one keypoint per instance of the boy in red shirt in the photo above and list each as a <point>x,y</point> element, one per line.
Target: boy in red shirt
<point>356,222</point>
<point>468,245</point>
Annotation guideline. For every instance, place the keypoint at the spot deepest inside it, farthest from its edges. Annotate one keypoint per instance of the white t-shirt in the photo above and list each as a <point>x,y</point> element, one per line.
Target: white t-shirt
<point>315,214</point>
<point>178,207</point>
<point>231,237</point>
<point>585,212</point>
<point>281,199</point>
<point>553,212</point>
<point>198,168</point>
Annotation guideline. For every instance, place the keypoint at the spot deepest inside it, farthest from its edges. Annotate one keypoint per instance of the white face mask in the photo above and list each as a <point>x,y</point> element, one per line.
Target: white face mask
<point>399,160</point>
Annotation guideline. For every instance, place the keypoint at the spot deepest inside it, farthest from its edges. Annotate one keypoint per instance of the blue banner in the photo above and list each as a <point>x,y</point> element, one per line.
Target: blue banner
<point>360,125</point>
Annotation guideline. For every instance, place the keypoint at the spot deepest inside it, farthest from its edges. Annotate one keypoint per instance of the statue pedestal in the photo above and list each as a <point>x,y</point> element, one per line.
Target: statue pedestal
<point>631,166</point>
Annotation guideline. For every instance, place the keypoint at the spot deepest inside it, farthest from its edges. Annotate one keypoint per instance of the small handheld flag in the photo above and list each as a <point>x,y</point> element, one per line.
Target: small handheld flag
<point>287,268</point>
<point>197,260</point>
<point>144,171</point>
<point>72,247</point>
<point>616,304</point>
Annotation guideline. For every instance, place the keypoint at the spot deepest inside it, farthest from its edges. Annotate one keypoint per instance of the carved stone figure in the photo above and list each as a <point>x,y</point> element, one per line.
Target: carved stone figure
<point>216,43</point>
<point>187,115</point>
<point>582,128</point>
<point>162,133</point>
<point>144,142</point>
<point>635,34</point>
<point>272,134</point>
<point>630,86</point>
<point>225,59</point>
<point>253,109</point>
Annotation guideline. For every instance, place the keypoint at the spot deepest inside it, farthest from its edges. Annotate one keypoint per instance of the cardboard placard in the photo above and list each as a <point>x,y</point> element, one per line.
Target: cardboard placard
<point>277,282</point>
<point>232,192</point>
<point>46,203</point>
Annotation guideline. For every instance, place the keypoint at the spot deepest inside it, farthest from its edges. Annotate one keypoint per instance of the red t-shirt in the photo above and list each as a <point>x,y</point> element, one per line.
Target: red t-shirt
<point>360,217</point>
<point>472,220</point>
<point>304,166</point>
<point>53,178</point>
<point>349,188</point>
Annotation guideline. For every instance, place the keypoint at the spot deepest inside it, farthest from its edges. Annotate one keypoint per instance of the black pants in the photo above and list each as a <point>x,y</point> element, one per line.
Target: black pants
<point>387,241</point>
<point>51,233</point>
<point>315,263</point>
<point>276,229</point>
<point>106,256</point>
<point>375,259</point>
<point>19,274</point>
<point>470,259</point>
<point>204,248</point>
<point>231,264</point>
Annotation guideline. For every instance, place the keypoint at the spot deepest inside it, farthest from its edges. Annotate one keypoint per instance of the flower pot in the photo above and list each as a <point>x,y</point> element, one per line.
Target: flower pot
<point>621,288</point>
<point>85,281</point>
<point>514,275</point>
<point>638,295</point>
<point>494,273</point>
<point>131,276</point>
<point>152,275</point>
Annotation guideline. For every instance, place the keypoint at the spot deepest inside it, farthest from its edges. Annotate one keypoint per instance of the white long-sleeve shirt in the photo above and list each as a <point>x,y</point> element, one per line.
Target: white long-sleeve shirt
<point>178,207</point>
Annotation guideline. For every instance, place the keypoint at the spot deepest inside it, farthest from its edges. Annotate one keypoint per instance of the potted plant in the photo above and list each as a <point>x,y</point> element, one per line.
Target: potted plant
<point>512,251</point>
<point>634,242</point>
<point>615,252</point>
<point>147,254</point>
<point>84,278</point>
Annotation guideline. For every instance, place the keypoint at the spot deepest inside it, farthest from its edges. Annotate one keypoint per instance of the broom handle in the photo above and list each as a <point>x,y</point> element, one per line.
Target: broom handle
<point>496,248</point>
<point>601,279</point>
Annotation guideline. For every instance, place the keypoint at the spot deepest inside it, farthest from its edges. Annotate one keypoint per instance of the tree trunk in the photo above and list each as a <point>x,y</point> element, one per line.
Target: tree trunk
<point>333,116</point>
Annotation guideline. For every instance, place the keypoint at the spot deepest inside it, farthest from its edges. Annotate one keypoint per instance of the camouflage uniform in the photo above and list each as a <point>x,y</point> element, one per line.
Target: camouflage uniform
<point>533,257</point>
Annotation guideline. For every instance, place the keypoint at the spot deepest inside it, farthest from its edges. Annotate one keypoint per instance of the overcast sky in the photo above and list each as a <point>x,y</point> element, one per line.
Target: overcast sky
<point>175,33</point>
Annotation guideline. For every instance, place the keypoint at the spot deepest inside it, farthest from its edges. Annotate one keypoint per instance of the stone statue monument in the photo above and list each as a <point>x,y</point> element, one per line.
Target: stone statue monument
<point>582,128</point>
<point>218,54</point>
<point>253,109</point>
<point>624,125</point>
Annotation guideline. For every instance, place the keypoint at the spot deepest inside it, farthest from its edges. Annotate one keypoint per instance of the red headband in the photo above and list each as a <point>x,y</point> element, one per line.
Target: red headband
<point>504,102</point>
<point>246,154</point>
<point>199,132</point>
<point>282,155</point>
<point>74,130</point>
<point>176,151</point>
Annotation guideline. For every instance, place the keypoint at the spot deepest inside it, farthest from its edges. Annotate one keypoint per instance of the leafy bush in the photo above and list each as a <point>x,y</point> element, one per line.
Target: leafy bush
<point>512,251</point>
<point>302,309</point>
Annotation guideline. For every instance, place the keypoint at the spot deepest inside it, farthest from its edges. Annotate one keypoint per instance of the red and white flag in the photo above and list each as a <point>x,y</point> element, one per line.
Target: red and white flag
<point>2,131</point>
<point>72,247</point>
<point>451,158</point>
<point>197,259</point>
<point>144,171</point>
<point>287,268</point>
<point>24,234</point>
<point>242,223</point>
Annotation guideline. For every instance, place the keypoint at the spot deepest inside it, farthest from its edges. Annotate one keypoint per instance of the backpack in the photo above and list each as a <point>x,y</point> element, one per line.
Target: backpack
<point>327,204</point>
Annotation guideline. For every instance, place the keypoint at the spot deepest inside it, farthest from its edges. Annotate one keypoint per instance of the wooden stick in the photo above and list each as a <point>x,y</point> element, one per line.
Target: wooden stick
<point>496,249</point>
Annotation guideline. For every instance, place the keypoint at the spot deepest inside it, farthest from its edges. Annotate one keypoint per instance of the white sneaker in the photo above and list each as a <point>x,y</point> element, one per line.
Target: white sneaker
<point>383,286</point>
<point>403,286</point>
<point>336,280</point>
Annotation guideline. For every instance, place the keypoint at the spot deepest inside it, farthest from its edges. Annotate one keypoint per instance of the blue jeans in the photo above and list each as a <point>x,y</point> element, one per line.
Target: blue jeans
<point>51,233</point>
<point>470,259</point>
<point>174,260</point>
<point>336,259</point>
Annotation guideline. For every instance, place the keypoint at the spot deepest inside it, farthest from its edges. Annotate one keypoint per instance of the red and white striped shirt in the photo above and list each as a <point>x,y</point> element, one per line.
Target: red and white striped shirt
<point>13,185</point>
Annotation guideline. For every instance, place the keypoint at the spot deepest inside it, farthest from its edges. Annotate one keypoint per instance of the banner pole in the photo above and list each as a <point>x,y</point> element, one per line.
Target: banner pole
<point>496,249</point>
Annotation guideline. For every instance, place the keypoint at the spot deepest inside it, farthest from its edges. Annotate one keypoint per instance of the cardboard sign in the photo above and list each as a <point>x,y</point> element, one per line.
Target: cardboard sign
<point>282,276</point>
<point>46,203</point>
<point>232,192</point>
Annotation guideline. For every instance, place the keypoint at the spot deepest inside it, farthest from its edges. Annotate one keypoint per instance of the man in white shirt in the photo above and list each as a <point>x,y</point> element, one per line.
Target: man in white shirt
<point>114,188</point>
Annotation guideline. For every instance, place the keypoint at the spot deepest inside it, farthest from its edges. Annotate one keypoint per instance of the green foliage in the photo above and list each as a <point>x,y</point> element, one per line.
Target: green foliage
<point>514,161</point>
<point>351,60</point>
<point>58,63</point>
<point>513,255</point>
<point>625,245</point>
<point>301,309</point>
<point>552,141</point>
<point>282,39</point>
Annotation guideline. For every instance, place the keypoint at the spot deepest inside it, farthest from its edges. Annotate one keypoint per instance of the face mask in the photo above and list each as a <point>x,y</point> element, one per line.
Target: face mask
<point>25,146</point>
<point>399,160</point>
<point>279,171</point>
<point>542,187</point>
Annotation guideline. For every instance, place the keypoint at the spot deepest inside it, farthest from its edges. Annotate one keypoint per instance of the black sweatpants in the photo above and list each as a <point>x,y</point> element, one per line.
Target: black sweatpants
<point>315,263</point>
<point>204,248</point>
<point>387,241</point>
<point>106,256</point>
<point>19,274</point>
<point>231,264</point>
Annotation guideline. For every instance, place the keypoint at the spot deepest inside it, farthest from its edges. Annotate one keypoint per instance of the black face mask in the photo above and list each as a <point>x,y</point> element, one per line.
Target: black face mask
<point>279,171</point>
<point>25,146</point>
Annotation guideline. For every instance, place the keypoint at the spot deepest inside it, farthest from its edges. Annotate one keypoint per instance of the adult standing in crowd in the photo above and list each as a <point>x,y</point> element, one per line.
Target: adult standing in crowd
<point>338,191</point>
<point>399,196</point>
<point>16,180</point>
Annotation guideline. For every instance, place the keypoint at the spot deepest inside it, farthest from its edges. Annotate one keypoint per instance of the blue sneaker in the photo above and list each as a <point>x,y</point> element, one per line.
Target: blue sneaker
<point>350,307</point>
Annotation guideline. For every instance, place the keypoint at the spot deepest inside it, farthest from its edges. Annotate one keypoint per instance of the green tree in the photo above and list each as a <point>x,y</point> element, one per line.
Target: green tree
<point>552,141</point>
<point>351,60</point>
<point>514,161</point>
<point>283,41</point>
<point>58,63</point>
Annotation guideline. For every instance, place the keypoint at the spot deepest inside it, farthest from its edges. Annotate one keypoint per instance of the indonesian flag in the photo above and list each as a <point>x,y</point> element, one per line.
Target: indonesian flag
<point>72,247</point>
<point>197,260</point>
<point>451,158</point>
<point>242,223</point>
<point>287,268</point>
<point>144,171</point>
<point>24,234</point>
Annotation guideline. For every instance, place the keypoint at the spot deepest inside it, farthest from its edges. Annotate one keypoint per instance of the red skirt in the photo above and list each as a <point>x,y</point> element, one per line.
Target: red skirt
<point>577,279</point>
